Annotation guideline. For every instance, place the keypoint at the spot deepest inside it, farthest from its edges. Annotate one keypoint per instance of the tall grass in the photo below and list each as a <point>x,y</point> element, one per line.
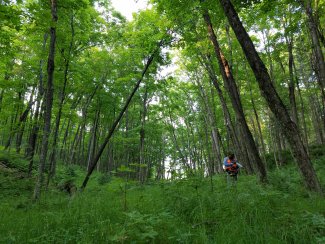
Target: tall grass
<point>184,211</point>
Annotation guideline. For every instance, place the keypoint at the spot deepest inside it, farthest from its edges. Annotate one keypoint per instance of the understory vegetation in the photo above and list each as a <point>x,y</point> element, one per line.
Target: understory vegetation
<point>192,210</point>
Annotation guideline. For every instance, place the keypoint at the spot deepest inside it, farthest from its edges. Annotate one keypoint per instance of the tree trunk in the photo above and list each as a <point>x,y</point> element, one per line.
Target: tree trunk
<point>1,98</point>
<point>275,103</point>
<point>93,139</point>
<point>117,121</point>
<point>240,151</point>
<point>292,97</point>
<point>30,151</point>
<point>318,60</point>
<point>48,103</point>
<point>216,148</point>
<point>52,158</point>
<point>302,105</point>
<point>260,134</point>
<point>231,86</point>
<point>141,169</point>
<point>21,123</point>
<point>319,57</point>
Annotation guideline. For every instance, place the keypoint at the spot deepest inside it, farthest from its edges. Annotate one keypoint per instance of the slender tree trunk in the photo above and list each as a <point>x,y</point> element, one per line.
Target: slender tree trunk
<point>216,148</point>
<point>239,149</point>
<point>275,103</point>
<point>318,59</point>
<point>313,29</point>
<point>302,105</point>
<point>65,148</point>
<point>260,134</point>
<point>316,122</point>
<point>48,102</point>
<point>292,97</point>
<point>30,151</point>
<point>117,121</point>
<point>231,86</point>
<point>184,159</point>
<point>77,142</point>
<point>22,119</point>
<point>15,125</point>
<point>52,158</point>
<point>1,98</point>
<point>93,139</point>
<point>141,169</point>
<point>72,146</point>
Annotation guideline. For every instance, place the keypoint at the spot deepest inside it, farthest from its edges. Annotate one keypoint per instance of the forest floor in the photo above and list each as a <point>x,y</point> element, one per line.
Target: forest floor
<point>193,210</point>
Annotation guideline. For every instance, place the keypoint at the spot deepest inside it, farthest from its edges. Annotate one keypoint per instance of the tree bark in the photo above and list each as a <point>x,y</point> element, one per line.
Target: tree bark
<point>292,97</point>
<point>48,102</point>
<point>141,169</point>
<point>260,134</point>
<point>52,158</point>
<point>1,98</point>
<point>240,151</point>
<point>117,121</point>
<point>216,148</point>
<point>313,29</point>
<point>275,103</point>
<point>30,151</point>
<point>231,86</point>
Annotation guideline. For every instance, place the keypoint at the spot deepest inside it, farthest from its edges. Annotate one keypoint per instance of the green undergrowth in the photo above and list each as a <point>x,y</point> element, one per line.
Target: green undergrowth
<point>195,210</point>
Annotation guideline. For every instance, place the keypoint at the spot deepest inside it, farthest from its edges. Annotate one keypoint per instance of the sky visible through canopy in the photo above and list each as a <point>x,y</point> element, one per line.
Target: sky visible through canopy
<point>127,7</point>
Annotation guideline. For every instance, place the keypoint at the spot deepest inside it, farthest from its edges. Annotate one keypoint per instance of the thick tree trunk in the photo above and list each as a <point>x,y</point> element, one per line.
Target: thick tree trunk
<point>289,128</point>
<point>48,103</point>
<point>231,86</point>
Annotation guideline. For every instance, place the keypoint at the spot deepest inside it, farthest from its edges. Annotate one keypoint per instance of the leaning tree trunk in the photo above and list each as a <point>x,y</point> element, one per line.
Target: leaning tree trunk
<point>117,121</point>
<point>275,103</point>
<point>48,103</point>
<point>319,62</point>
<point>319,57</point>
<point>231,86</point>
